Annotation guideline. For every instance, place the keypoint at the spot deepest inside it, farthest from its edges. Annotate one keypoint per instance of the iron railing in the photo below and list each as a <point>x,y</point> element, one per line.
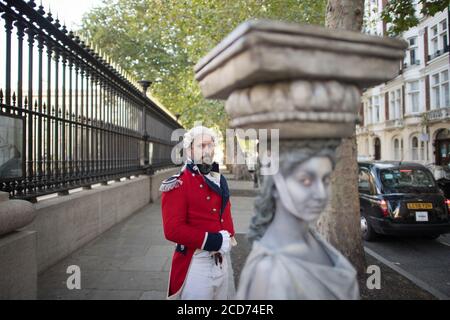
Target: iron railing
<point>69,119</point>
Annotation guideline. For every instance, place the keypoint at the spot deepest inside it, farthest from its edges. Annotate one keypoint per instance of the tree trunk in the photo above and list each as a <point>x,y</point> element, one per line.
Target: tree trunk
<point>240,171</point>
<point>345,14</point>
<point>340,223</point>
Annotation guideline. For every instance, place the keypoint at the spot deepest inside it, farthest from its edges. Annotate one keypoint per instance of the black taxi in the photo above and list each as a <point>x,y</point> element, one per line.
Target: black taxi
<point>401,198</point>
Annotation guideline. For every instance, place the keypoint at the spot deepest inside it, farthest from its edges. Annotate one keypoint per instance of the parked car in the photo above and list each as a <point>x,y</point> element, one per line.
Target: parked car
<point>401,198</point>
<point>444,185</point>
<point>442,176</point>
<point>444,181</point>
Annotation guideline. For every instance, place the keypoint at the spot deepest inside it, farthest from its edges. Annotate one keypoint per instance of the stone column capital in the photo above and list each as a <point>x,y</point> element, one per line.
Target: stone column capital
<point>305,80</point>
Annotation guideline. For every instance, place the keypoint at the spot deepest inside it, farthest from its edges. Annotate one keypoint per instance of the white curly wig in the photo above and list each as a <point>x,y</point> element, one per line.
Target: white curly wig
<point>195,131</point>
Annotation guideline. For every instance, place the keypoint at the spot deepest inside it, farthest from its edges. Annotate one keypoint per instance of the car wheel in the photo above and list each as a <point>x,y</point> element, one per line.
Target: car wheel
<point>367,231</point>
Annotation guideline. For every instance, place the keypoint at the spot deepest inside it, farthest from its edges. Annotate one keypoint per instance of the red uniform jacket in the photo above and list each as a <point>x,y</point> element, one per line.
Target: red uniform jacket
<point>194,210</point>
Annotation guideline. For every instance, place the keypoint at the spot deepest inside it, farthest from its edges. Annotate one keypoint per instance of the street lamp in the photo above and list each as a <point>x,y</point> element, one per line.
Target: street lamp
<point>145,84</point>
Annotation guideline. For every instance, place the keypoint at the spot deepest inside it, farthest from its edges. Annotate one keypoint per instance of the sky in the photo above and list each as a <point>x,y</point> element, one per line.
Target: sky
<point>70,11</point>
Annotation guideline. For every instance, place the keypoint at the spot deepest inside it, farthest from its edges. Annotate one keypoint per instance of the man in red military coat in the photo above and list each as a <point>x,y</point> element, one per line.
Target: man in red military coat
<point>196,214</point>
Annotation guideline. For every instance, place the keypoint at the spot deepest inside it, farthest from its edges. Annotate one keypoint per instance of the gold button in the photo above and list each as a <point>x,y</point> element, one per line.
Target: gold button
<point>221,220</point>
<point>208,197</point>
<point>193,174</point>
<point>201,186</point>
<point>214,209</point>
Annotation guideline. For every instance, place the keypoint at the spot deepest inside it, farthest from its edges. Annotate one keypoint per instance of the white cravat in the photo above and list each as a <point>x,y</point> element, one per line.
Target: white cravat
<point>214,178</point>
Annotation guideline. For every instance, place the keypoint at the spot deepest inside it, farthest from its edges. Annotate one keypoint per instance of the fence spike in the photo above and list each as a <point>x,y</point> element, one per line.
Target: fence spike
<point>49,14</point>
<point>32,4</point>
<point>41,10</point>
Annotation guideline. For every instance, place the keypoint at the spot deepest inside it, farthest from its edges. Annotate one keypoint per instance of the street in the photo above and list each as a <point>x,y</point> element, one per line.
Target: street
<point>425,262</point>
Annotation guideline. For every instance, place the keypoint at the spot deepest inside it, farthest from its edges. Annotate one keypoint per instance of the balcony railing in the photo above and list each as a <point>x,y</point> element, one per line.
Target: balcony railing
<point>438,114</point>
<point>438,53</point>
<point>394,124</point>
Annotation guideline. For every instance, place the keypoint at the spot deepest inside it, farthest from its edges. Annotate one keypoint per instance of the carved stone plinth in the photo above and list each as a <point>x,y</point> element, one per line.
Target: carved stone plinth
<point>304,80</point>
<point>15,214</point>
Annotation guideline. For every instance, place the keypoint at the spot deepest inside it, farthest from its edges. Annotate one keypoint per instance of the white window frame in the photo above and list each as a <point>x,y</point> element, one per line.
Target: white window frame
<point>397,149</point>
<point>395,102</point>
<point>440,90</point>
<point>398,104</point>
<point>445,90</point>
<point>414,93</point>
<point>415,149</point>
<point>376,109</point>
<point>434,39</point>
<point>435,91</point>
<point>391,105</point>
<point>422,150</point>
<point>415,49</point>
<point>443,34</point>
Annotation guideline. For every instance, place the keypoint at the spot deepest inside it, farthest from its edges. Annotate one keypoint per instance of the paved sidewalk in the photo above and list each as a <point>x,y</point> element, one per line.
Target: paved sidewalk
<point>132,259</point>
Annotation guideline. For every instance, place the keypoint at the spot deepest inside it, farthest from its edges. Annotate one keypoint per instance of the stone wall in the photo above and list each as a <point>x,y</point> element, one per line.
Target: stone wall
<point>18,272</point>
<point>66,223</point>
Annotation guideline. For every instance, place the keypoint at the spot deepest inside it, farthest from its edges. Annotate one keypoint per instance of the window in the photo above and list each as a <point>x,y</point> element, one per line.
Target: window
<point>364,181</point>
<point>369,111</point>
<point>392,105</point>
<point>434,40</point>
<point>439,39</point>
<point>376,105</point>
<point>397,103</point>
<point>443,35</point>
<point>413,51</point>
<point>415,148</point>
<point>435,92</point>
<point>397,155</point>
<point>445,89</point>
<point>413,94</point>
<point>422,150</point>
<point>440,90</point>
<point>406,180</point>
<point>401,149</point>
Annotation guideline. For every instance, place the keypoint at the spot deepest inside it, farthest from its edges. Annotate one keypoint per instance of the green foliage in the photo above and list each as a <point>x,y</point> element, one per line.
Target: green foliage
<point>402,16</point>
<point>162,40</point>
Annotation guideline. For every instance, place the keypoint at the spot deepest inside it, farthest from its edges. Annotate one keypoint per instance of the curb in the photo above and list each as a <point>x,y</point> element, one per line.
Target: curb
<point>421,284</point>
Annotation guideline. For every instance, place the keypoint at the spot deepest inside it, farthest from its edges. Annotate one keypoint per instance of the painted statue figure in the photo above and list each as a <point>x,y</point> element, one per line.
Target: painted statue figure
<point>289,259</point>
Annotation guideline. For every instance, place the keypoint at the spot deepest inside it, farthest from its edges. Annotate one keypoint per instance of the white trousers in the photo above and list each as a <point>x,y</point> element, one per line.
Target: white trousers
<point>206,280</point>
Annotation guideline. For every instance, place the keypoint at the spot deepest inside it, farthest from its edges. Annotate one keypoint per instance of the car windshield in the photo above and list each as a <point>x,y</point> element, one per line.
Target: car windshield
<point>406,180</point>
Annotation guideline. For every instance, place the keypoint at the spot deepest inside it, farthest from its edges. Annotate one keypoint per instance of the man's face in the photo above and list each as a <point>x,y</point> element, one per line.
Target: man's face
<point>202,149</point>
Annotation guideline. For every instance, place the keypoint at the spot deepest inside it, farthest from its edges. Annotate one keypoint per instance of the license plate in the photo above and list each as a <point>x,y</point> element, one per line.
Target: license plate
<point>421,216</point>
<point>420,205</point>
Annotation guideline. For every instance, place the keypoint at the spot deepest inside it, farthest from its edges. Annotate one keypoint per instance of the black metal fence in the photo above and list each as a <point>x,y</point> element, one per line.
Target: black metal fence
<point>67,118</point>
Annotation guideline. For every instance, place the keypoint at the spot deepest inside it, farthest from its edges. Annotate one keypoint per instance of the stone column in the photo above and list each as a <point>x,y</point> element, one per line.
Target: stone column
<point>18,266</point>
